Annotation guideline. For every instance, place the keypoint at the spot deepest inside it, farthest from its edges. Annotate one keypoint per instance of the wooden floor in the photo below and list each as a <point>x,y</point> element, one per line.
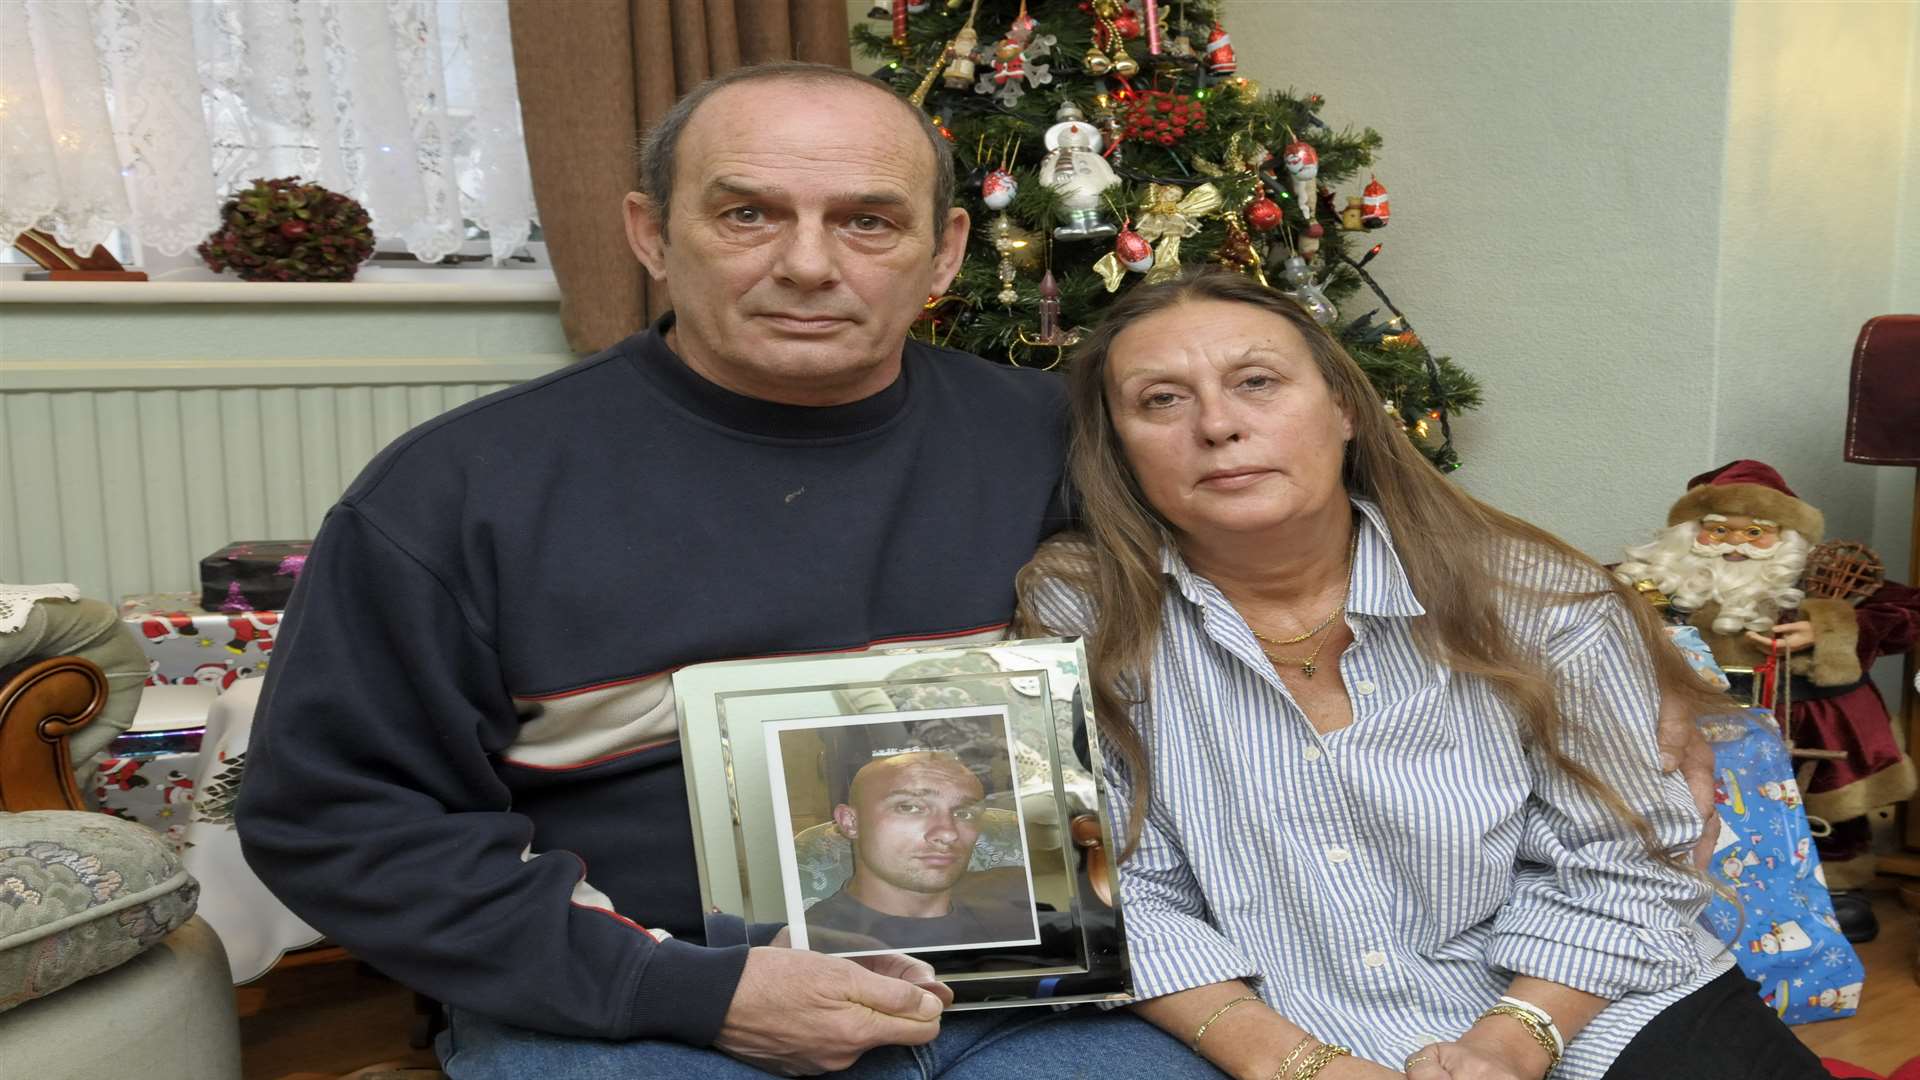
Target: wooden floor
<point>334,1019</point>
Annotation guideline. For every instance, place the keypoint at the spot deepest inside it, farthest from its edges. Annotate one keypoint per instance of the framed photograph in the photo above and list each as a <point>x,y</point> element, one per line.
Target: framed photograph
<point>944,802</point>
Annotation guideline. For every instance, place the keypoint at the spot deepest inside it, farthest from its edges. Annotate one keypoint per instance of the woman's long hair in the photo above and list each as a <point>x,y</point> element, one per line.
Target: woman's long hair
<point>1458,577</point>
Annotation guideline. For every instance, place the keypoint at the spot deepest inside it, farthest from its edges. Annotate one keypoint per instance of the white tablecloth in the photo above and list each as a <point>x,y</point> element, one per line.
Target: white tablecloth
<point>255,928</point>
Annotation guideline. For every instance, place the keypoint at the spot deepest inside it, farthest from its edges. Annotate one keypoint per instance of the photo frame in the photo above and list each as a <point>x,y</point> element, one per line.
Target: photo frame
<point>943,801</point>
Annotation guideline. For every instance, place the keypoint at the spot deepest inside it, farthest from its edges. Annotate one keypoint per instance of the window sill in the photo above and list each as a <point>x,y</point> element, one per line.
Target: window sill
<point>374,287</point>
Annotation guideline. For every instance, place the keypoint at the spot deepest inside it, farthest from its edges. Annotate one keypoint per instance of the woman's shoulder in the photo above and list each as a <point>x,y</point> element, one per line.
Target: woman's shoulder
<point>1055,589</point>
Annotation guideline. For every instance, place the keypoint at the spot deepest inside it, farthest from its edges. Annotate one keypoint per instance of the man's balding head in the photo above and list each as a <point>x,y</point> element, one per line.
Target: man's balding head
<point>914,819</point>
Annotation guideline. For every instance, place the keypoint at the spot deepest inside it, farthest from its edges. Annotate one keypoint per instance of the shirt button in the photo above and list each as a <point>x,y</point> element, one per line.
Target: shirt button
<point>1338,854</point>
<point>1375,959</point>
<point>1365,686</point>
<point>1311,753</point>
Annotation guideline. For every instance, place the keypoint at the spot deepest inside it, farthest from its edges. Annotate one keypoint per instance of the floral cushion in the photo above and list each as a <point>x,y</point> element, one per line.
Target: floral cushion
<point>81,893</point>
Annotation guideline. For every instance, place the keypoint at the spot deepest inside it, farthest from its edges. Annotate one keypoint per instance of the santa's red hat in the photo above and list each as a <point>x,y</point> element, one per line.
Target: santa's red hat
<point>1751,488</point>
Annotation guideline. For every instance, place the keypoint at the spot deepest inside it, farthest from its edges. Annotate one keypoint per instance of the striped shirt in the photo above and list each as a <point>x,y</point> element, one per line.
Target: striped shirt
<point>1383,883</point>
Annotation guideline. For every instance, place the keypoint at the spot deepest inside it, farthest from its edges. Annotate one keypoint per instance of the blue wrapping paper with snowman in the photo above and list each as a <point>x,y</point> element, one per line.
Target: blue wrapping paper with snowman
<point>1782,931</point>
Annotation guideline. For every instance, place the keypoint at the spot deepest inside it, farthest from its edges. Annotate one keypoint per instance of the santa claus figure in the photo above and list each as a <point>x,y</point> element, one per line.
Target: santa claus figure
<point>1730,562</point>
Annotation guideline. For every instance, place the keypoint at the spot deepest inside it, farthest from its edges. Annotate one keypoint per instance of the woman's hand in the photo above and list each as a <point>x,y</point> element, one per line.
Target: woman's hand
<point>1466,1061</point>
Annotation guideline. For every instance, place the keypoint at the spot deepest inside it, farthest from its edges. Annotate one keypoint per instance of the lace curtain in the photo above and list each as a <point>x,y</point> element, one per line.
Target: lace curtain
<point>145,114</point>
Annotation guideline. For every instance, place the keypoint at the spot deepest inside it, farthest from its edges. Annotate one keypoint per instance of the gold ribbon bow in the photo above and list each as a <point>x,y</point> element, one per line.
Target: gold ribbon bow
<point>1168,219</point>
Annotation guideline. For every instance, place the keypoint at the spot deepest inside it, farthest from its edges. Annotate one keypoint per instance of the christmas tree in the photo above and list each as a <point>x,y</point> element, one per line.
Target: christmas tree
<point>1102,143</point>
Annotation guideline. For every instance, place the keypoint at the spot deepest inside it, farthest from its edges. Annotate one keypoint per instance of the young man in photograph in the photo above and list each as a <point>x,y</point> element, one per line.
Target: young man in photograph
<point>914,819</point>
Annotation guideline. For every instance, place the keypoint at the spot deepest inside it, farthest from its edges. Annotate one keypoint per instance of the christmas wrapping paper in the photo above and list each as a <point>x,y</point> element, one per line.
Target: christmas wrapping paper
<point>1782,931</point>
<point>188,645</point>
<point>148,773</point>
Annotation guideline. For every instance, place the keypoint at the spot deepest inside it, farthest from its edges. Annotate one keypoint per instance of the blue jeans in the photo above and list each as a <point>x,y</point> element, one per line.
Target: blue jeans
<point>999,1044</point>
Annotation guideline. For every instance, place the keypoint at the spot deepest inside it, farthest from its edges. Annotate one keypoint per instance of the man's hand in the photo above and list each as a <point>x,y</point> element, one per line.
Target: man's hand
<point>798,1013</point>
<point>1792,636</point>
<point>1682,747</point>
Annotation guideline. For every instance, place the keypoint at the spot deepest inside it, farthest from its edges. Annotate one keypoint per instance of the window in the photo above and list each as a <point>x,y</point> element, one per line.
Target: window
<point>141,118</point>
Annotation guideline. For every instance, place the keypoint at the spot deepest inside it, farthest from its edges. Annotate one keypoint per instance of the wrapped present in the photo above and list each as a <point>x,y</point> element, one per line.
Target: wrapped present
<point>252,575</point>
<point>1782,930</point>
<point>147,773</point>
<point>187,645</point>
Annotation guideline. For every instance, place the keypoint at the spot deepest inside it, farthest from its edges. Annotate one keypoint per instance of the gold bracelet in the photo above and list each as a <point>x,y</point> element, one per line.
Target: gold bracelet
<point>1318,1060</point>
<point>1280,1073</point>
<point>1217,1014</point>
<point>1534,1027</point>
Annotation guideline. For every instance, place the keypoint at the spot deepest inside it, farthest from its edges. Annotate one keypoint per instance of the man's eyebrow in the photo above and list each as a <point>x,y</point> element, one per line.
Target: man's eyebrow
<point>730,186</point>
<point>919,793</point>
<point>743,189</point>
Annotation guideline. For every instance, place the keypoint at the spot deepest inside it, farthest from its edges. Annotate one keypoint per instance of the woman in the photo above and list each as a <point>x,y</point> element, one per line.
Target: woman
<point>1389,752</point>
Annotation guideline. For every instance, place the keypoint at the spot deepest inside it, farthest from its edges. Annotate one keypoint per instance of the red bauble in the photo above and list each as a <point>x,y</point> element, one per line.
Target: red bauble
<point>1263,213</point>
<point>1133,251</point>
<point>1128,24</point>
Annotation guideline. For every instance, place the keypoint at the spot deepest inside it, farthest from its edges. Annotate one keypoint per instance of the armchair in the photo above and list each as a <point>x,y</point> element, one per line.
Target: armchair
<point>68,978</point>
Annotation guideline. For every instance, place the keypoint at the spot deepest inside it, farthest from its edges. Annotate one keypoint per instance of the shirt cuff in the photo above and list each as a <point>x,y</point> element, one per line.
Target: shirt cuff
<point>1592,954</point>
<point>1172,952</point>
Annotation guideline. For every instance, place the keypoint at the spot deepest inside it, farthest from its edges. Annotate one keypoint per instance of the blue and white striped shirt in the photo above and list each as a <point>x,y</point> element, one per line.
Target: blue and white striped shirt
<point>1384,882</point>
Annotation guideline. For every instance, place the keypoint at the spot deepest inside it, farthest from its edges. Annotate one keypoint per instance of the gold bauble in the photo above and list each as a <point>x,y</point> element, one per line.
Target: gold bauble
<point>1096,62</point>
<point>1124,65</point>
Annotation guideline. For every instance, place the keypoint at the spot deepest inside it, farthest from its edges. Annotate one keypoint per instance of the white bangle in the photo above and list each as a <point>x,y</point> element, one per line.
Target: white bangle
<point>1543,1016</point>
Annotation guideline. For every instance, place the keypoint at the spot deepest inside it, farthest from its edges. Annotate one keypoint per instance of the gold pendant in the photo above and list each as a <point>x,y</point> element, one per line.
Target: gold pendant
<point>1307,668</point>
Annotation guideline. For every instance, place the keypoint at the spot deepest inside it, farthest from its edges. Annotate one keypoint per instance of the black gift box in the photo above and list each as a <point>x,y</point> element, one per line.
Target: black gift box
<point>252,575</point>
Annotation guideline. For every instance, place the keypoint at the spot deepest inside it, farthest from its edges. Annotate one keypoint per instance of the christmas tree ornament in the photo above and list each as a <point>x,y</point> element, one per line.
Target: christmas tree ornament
<point>1181,47</point>
<point>1150,9</point>
<point>919,7</point>
<point>1300,287</point>
<point>998,189</point>
<point>1350,219</point>
<point>1164,117</point>
<point>1024,25</point>
<point>1170,218</point>
<point>1220,59</point>
<point>1377,210</point>
<point>1074,168</point>
<point>882,11</point>
<point>1096,62</point>
<point>1015,70</point>
<point>1068,110</point>
<point>1303,166</point>
<point>1133,250</point>
<point>1107,119</point>
<point>1108,36</point>
<point>1264,214</point>
<point>960,71</point>
<point>1049,308</point>
<point>900,25</point>
<point>1003,246</point>
<point>1021,246</point>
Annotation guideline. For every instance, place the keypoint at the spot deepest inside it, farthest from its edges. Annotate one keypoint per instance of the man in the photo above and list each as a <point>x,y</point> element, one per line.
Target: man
<point>1732,561</point>
<point>465,770</point>
<point>914,819</point>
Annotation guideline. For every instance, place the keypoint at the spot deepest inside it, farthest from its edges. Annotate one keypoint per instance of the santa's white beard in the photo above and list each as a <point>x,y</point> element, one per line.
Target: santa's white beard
<point>1751,593</point>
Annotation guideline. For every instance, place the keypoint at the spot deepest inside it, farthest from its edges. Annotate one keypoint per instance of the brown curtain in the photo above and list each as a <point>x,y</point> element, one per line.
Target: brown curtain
<point>594,75</point>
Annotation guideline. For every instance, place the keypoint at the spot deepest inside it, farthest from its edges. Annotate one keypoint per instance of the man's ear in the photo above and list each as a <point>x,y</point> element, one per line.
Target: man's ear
<point>953,250</point>
<point>646,233</point>
<point>846,821</point>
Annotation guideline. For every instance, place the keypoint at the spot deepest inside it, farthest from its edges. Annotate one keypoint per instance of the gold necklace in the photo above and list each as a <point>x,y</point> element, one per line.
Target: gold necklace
<point>1306,665</point>
<point>1298,638</point>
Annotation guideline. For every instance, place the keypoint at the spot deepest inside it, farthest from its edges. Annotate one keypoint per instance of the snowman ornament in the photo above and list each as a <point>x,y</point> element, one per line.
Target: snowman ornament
<point>1074,167</point>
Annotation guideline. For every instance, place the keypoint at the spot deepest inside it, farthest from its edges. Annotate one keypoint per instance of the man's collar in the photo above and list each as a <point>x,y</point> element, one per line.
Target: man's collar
<point>1380,585</point>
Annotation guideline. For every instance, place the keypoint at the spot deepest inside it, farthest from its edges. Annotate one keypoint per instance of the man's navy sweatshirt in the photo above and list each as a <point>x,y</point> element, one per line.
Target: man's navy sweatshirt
<point>465,767</point>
